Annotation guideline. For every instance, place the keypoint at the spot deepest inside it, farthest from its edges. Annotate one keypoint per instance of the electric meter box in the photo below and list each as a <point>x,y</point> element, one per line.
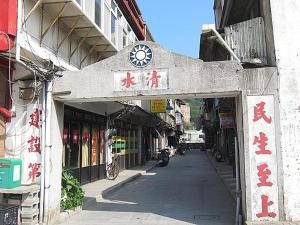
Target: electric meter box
<point>10,173</point>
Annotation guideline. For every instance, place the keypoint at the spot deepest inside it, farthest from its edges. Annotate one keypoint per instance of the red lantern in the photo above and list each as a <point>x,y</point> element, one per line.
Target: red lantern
<point>66,136</point>
<point>75,136</point>
<point>85,136</point>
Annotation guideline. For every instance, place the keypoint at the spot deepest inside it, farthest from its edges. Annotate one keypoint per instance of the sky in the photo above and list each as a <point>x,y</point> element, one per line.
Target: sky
<point>176,24</point>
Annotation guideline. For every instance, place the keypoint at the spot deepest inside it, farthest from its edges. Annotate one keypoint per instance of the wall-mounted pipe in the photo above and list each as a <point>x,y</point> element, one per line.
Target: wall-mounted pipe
<point>223,42</point>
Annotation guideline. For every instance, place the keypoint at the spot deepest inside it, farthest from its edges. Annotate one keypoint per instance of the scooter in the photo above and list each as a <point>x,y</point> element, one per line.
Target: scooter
<point>163,157</point>
<point>180,149</point>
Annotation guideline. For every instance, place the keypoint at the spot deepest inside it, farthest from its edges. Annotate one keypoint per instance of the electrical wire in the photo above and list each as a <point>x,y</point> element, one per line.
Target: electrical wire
<point>9,76</point>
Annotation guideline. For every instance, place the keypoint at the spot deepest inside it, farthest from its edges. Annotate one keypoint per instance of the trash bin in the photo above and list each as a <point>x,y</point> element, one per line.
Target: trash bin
<point>10,173</point>
<point>9,214</point>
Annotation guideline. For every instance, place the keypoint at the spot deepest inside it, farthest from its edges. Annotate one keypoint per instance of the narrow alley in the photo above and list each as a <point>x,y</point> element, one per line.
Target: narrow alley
<point>187,191</point>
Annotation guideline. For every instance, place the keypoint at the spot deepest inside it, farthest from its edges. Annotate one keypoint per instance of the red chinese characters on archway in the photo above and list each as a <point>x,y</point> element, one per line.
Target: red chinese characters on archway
<point>128,81</point>
<point>34,143</point>
<point>260,141</point>
<point>153,79</point>
<point>141,80</point>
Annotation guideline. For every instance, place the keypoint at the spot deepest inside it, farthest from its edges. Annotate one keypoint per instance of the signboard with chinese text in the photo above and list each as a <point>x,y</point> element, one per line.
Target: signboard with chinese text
<point>262,152</point>
<point>33,145</point>
<point>141,80</point>
<point>158,105</point>
<point>226,120</point>
<point>178,118</point>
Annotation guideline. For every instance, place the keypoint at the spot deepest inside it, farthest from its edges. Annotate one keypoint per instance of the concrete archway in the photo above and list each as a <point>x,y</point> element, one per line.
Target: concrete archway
<point>183,76</point>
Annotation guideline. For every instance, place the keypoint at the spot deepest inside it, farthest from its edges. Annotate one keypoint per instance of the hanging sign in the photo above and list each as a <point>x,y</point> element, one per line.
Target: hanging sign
<point>178,118</point>
<point>262,152</point>
<point>226,120</point>
<point>141,80</point>
<point>158,105</point>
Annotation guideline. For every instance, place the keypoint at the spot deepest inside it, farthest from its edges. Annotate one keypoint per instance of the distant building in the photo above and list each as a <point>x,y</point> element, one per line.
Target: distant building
<point>186,113</point>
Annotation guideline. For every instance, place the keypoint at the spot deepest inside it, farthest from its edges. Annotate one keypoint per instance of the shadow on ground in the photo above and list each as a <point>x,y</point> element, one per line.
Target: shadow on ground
<point>187,191</point>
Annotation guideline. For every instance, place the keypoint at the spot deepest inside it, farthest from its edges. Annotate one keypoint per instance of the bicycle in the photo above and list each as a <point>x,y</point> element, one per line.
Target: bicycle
<point>113,169</point>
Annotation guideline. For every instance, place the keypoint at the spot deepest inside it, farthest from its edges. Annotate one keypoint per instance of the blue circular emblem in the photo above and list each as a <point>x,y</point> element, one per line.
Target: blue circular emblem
<point>140,56</point>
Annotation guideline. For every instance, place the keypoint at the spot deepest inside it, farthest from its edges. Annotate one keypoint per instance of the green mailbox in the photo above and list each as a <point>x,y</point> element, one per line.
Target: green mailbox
<point>10,173</point>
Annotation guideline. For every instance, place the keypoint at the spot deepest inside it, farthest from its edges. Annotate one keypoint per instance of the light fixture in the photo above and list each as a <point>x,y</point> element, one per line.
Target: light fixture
<point>168,106</point>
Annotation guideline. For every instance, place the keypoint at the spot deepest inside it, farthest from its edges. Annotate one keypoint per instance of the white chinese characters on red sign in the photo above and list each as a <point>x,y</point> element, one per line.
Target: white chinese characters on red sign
<point>262,151</point>
<point>141,80</point>
<point>32,151</point>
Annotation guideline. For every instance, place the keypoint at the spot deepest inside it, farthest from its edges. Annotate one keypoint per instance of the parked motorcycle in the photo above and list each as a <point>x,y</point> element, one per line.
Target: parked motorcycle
<point>217,153</point>
<point>163,157</point>
<point>180,149</point>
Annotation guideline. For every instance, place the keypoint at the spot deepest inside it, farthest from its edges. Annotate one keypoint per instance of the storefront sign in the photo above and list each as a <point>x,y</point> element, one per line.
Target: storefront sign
<point>178,118</point>
<point>32,153</point>
<point>226,120</point>
<point>262,151</point>
<point>141,80</point>
<point>158,105</point>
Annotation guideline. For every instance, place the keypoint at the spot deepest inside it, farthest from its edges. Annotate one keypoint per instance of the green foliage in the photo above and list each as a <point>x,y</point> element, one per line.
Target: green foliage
<point>71,191</point>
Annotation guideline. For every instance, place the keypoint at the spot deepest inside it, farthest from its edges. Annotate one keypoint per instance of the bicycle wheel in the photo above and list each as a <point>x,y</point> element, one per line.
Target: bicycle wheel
<point>112,172</point>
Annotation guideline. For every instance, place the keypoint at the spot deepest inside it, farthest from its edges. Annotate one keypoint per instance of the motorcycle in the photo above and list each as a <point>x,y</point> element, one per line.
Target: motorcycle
<point>163,157</point>
<point>180,149</point>
<point>217,153</point>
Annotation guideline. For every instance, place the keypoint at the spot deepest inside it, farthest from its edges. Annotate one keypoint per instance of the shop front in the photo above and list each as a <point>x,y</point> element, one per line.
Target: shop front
<point>84,141</point>
<point>125,144</point>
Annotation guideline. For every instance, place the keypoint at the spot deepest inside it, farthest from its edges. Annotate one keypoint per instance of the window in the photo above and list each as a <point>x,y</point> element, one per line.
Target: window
<point>113,6</point>
<point>3,87</point>
<point>95,145</point>
<point>98,12</point>
<point>124,38</point>
<point>79,2</point>
<point>85,145</point>
<point>113,28</point>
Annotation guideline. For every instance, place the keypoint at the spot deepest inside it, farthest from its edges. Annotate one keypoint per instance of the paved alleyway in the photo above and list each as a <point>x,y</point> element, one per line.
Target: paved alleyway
<point>187,191</point>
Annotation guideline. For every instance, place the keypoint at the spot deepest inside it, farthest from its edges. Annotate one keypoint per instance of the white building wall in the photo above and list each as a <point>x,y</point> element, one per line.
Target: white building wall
<point>286,20</point>
<point>33,27</point>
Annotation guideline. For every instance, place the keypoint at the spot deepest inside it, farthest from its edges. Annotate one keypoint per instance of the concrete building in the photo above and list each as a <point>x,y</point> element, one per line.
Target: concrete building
<point>39,40</point>
<point>265,88</point>
<point>262,35</point>
<point>186,112</point>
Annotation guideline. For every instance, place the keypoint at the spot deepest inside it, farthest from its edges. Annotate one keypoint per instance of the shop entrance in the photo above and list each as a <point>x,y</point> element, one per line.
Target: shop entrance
<point>83,140</point>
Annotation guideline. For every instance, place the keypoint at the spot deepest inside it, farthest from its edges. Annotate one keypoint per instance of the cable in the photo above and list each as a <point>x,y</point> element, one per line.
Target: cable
<point>9,76</point>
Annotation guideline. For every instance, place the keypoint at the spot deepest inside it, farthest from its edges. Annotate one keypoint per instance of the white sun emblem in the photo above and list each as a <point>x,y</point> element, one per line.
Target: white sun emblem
<point>141,55</point>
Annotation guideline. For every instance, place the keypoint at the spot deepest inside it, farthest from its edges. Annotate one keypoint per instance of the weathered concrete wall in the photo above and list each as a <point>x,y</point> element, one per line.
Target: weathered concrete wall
<point>56,160</point>
<point>186,76</point>
<point>286,20</point>
<point>265,11</point>
<point>257,82</point>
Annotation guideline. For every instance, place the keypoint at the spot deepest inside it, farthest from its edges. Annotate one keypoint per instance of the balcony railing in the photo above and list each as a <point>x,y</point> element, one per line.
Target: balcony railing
<point>75,30</point>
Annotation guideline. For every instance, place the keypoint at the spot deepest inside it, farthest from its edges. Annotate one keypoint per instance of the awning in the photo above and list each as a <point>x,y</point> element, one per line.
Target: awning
<point>136,115</point>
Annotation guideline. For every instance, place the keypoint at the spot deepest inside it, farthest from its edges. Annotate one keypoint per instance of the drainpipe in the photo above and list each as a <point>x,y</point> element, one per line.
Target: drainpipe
<point>42,188</point>
<point>47,149</point>
<point>223,42</point>
<point>237,184</point>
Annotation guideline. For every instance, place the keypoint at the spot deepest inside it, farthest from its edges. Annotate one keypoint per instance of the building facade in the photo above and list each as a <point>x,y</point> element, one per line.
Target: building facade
<point>39,40</point>
<point>261,34</point>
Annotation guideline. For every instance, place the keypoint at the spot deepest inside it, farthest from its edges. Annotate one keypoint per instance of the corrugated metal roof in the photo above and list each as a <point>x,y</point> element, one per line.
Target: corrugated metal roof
<point>247,39</point>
